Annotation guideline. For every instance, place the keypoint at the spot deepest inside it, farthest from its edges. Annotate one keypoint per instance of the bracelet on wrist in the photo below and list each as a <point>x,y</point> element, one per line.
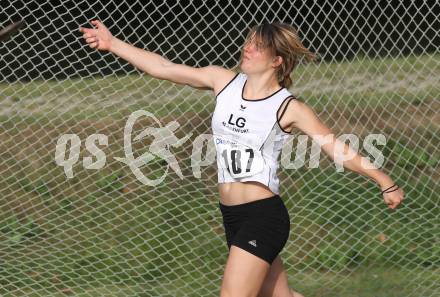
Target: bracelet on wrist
<point>390,189</point>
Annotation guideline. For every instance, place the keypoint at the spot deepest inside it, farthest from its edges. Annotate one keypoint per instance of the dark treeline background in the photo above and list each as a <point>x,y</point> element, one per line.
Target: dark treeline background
<point>199,33</point>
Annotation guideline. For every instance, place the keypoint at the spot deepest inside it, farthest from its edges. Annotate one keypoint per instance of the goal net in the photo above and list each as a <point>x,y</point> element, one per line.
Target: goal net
<point>88,208</point>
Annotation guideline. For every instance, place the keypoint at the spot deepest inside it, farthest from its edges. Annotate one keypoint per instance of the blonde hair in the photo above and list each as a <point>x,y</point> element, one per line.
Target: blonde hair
<point>281,40</point>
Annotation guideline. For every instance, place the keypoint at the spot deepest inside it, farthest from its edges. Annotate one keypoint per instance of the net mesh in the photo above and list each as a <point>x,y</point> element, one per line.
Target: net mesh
<point>102,232</point>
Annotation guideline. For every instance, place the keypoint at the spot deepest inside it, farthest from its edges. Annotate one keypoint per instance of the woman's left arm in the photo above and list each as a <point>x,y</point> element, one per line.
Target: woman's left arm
<point>301,116</point>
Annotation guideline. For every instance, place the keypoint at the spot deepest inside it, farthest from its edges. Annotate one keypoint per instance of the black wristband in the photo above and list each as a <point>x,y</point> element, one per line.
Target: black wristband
<point>392,190</point>
<point>387,189</point>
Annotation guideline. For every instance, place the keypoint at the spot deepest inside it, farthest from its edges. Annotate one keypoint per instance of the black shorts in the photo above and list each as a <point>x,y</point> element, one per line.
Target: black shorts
<point>260,227</point>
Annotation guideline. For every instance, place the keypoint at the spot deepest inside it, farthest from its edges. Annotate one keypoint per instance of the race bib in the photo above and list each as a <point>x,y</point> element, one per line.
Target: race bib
<point>240,160</point>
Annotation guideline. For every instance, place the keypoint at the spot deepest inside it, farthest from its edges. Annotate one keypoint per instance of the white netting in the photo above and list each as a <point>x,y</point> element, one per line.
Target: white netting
<point>104,233</point>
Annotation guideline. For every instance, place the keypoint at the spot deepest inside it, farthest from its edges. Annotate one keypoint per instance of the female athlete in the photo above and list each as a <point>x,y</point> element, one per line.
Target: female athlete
<point>254,114</point>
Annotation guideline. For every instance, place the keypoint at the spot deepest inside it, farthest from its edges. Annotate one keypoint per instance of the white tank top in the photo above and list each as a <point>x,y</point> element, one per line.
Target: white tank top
<point>247,135</point>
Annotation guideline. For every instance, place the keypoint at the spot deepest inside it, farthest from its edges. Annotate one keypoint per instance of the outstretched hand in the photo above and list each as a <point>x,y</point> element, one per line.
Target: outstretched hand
<point>393,199</point>
<point>98,37</point>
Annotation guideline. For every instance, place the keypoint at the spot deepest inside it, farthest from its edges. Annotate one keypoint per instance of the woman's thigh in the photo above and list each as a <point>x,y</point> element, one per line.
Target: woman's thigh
<point>275,284</point>
<point>244,274</point>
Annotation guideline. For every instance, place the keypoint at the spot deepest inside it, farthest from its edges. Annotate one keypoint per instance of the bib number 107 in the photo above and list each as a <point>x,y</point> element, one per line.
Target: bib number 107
<point>234,159</point>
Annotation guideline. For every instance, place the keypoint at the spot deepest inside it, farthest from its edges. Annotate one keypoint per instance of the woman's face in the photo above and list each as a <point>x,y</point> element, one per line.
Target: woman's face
<point>256,59</point>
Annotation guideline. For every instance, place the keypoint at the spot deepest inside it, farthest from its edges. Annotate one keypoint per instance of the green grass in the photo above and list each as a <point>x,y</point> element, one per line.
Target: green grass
<point>101,232</point>
<point>377,282</point>
<point>371,282</point>
<point>361,82</point>
<point>374,282</point>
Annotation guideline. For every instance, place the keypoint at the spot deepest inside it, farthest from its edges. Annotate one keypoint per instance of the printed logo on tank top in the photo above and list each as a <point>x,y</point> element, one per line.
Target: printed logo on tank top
<point>236,124</point>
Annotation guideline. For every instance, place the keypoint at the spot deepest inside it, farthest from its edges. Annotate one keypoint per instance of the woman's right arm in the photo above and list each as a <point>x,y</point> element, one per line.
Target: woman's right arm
<point>209,77</point>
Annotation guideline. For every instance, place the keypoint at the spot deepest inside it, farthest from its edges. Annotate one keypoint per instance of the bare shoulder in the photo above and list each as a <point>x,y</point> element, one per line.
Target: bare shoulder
<point>222,77</point>
<point>295,112</point>
<point>297,108</point>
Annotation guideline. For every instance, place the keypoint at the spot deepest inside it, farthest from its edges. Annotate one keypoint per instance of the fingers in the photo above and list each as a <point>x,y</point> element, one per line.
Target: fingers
<point>393,203</point>
<point>90,34</point>
<point>394,199</point>
<point>97,23</point>
<point>85,30</point>
<point>91,39</point>
<point>94,44</point>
